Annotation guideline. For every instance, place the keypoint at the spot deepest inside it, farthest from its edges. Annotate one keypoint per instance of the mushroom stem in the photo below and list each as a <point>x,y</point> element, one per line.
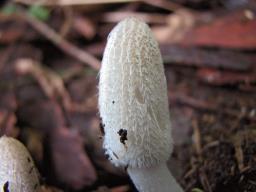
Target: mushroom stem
<point>155,178</point>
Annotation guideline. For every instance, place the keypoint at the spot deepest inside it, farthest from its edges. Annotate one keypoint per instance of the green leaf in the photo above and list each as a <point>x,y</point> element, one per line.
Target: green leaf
<point>197,190</point>
<point>39,12</point>
<point>8,9</point>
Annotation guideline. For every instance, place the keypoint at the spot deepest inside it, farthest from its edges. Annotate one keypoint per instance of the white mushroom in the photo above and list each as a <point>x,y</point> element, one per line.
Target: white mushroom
<point>133,105</point>
<point>17,169</point>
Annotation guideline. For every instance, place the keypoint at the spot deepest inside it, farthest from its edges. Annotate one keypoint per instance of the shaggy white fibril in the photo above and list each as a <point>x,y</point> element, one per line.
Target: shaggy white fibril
<point>133,97</point>
<point>17,169</point>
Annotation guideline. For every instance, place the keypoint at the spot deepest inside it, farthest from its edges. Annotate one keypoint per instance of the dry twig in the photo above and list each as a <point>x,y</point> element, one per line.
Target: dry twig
<point>63,44</point>
<point>70,2</point>
<point>117,16</point>
<point>204,105</point>
<point>68,20</point>
<point>205,181</point>
<point>52,85</point>
<point>197,138</point>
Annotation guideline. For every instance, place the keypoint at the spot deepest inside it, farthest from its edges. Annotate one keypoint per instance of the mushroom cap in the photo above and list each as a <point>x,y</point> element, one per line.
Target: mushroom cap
<point>17,169</point>
<point>133,101</point>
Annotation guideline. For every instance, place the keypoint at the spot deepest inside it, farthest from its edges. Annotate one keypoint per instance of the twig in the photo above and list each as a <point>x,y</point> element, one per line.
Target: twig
<point>68,20</point>
<point>70,2</point>
<point>85,26</point>
<point>210,145</point>
<point>204,180</point>
<point>197,57</point>
<point>206,106</point>
<point>197,138</point>
<point>187,100</point>
<point>117,16</point>
<point>239,156</point>
<point>168,5</point>
<point>218,77</point>
<point>63,44</point>
<point>123,188</point>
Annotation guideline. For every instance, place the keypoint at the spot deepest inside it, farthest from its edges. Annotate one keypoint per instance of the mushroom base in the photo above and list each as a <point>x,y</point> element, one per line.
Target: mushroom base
<point>152,179</point>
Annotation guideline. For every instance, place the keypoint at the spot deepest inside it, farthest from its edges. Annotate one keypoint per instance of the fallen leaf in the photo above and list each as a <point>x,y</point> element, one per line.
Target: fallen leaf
<point>235,30</point>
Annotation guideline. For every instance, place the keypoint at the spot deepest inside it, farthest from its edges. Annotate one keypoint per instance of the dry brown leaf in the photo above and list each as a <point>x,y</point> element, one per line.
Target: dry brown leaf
<point>71,2</point>
<point>234,30</point>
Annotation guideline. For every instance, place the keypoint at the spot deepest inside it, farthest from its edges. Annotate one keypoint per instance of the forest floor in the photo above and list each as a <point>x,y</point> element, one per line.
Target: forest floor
<point>49,62</point>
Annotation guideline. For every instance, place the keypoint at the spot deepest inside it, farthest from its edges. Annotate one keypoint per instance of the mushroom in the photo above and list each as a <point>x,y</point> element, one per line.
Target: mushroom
<point>17,170</point>
<point>133,106</point>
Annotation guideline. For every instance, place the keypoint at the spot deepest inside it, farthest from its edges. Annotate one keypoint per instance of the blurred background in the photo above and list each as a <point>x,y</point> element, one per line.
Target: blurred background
<point>50,54</point>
